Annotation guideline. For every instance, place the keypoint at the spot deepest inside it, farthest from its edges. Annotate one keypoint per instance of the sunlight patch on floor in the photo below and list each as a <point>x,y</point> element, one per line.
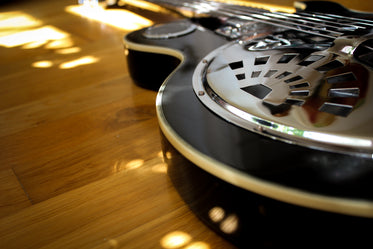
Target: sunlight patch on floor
<point>12,21</point>
<point>182,240</point>
<point>78,62</point>
<point>42,64</point>
<point>118,18</point>
<point>19,29</point>
<point>32,38</point>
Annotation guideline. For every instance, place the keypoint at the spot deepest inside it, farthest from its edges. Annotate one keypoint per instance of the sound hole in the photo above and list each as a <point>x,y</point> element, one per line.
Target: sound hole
<point>284,74</point>
<point>236,65</point>
<point>305,84</point>
<point>261,60</point>
<point>352,92</point>
<point>259,91</point>
<point>270,73</point>
<point>336,109</point>
<point>300,93</point>
<point>329,66</point>
<point>294,79</point>
<point>341,78</point>
<point>286,58</point>
<point>297,102</point>
<point>311,59</point>
<point>255,74</point>
<point>240,76</point>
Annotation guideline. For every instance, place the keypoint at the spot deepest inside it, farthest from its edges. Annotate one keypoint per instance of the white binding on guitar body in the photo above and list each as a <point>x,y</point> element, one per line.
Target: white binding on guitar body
<point>348,206</point>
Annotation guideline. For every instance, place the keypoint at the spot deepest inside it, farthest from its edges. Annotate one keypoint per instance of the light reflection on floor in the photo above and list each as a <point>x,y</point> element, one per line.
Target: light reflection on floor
<point>42,64</point>
<point>119,18</point>
<point>79,62</point>
<point>19,29</point>
<point>182,240</point>
<point>154,166</point>
<point>38,36</point>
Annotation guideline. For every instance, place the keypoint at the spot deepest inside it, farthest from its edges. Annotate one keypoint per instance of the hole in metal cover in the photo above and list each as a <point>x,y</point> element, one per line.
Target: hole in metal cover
<point>261,60</point>
<point>240,76</point>
<point>352,92</point>
<point>336,109</point>
<point>298,77</point>
<point>260,91</point>
<point>345,77</point>
<point>286,58</point>
<point>329,66</point>
<point>270,73</point>
<point>300,93</point>
<point>255,74</point>
<point>311,59</point>
<point>282,75</point>
<point>297,102</point>
<point>301,85</point>
<point>236,65</point>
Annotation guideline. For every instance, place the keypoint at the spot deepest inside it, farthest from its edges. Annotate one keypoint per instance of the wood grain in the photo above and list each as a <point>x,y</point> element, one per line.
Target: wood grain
<point>80,158</point>
<point>12,198</point>
<point>80,152</point>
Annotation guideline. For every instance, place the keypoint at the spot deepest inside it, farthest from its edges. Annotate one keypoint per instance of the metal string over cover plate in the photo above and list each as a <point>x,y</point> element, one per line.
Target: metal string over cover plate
<point>314,96</point>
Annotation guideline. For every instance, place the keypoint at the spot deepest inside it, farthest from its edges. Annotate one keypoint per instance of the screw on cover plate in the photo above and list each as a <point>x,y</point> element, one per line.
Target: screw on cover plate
<point>204,61</point>
<point>201,93</point>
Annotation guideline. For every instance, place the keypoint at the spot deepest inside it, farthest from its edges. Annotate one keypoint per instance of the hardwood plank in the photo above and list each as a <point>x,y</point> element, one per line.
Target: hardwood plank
<point>81,148</point>
<point>161,232</point>
<point>113,209</point>
<point>61,105</point>
<point>12,196</point>
<point>138,105</point>
<point>80,162</point>
<point>37,84</point>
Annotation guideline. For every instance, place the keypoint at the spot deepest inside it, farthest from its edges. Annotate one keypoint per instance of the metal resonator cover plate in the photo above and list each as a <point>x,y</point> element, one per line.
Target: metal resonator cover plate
<point>315,98</point>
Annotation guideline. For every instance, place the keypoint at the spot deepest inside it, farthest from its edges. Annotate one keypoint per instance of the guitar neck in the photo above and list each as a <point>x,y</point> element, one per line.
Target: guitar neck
<point>309,20</point>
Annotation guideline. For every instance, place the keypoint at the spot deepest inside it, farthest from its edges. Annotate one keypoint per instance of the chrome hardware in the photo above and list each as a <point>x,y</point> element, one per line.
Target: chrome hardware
<point>169,30</point>
<point>294,89</point>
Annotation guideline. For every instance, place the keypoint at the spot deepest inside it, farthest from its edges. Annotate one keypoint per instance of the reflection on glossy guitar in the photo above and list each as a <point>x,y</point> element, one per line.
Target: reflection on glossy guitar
<point>267,117</point>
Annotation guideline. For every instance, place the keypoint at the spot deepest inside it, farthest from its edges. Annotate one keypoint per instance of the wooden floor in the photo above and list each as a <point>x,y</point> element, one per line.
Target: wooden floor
<point>80,154</point>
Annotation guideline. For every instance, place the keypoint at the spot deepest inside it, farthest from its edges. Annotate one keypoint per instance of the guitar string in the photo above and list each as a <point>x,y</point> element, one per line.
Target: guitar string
<point>321,18</point>
<point>258,15</point>
<point>297,21</point>
<point>343,18</point>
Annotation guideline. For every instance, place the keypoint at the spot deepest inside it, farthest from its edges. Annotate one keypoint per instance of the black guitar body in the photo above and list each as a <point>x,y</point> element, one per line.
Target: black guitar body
<point>254,189</point>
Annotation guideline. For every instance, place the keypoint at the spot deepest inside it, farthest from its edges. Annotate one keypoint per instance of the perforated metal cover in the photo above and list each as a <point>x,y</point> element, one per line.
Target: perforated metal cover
<point>315,98</point>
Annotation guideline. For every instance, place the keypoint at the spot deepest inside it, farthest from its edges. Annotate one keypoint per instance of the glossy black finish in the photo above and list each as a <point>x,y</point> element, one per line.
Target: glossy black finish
<point>144,68</point>
<point>311,170</point>
<point>151,69</point>
<point>262,222</point>
<point>249,220</point>
<point>315,171</point>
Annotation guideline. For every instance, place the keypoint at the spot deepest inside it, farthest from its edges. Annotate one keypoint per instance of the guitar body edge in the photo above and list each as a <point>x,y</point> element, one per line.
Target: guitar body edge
<point>256,185</point>
<point>248,219</point>
<point>141,58</point>
<point>253,205</point>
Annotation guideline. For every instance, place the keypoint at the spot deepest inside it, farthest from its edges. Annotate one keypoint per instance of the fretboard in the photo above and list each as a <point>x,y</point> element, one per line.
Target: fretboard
<point>322,24</point>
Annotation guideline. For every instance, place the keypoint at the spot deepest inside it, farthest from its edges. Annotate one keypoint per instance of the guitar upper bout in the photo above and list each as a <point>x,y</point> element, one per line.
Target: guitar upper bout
<point>155,52</point>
